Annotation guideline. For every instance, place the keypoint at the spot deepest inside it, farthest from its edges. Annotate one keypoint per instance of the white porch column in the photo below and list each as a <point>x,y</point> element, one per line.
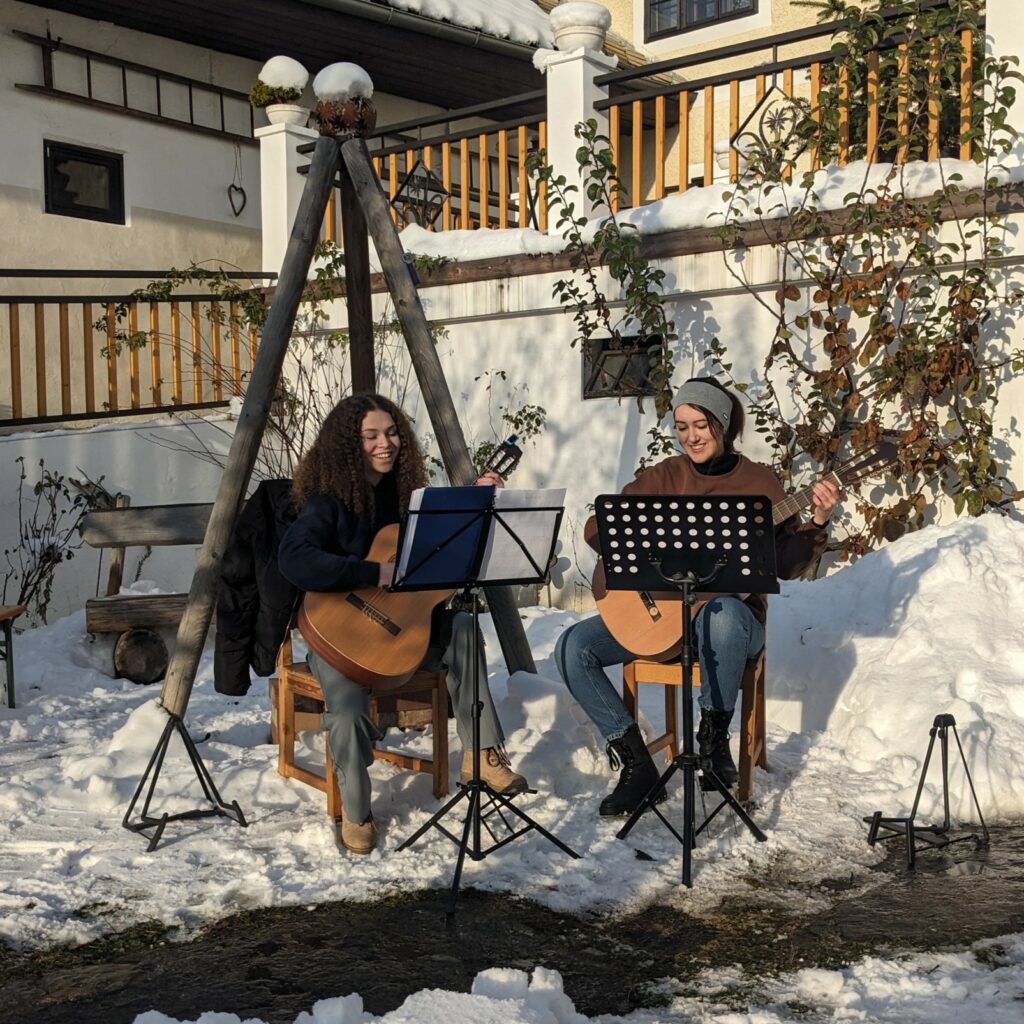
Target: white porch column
<point>1004,37</point>
<point>281,186</point>
<point>572,94</point>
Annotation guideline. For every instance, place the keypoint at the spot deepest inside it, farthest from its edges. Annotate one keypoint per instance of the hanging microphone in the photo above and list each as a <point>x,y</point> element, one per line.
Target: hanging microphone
<point>504,458</point>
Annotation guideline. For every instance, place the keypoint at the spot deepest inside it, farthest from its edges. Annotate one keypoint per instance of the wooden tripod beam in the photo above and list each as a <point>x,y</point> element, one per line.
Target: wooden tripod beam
<point>429,373</point>
<point>245,444</point>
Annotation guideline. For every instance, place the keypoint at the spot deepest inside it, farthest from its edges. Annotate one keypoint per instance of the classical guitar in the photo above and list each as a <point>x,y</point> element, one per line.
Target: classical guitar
<point>648,622</point>
<point>373,636</point>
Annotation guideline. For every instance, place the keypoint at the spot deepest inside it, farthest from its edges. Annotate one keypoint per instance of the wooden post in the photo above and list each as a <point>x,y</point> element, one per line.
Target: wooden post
<point>357,290</point>
<point>430,375</point>
<point>251,421</point>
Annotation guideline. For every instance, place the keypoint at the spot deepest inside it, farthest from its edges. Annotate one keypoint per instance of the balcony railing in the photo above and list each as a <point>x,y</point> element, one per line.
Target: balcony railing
<point>476,165</point>
<point>668,138</point>
<point>96,355</point>
<point>77,75</point>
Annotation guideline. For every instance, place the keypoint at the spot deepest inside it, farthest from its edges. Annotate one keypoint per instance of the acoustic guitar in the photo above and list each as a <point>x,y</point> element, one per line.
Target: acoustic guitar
<point>375,637</point>
<point>648,623</point>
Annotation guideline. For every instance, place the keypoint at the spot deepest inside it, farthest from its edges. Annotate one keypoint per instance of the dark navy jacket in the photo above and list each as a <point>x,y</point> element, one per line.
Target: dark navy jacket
<point>325,548</point>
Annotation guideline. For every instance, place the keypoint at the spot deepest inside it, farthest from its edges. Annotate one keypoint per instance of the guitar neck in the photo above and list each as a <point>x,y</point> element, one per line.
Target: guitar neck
<point>797,502</point>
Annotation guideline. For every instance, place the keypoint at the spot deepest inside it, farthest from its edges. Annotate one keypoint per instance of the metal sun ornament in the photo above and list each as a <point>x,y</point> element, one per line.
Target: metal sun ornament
<point>771,135</point>
<point>421,197</point>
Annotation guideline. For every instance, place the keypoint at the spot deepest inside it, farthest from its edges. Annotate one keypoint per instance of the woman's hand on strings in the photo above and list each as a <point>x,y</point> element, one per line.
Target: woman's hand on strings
<point>825,497</point>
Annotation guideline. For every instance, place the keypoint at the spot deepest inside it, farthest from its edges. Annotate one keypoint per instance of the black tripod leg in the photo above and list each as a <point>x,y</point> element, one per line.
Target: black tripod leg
<point>730,801</point>
<point>505,802</point>
<point>648,801</point>
<point>472,816</point>
<point>435,819</point>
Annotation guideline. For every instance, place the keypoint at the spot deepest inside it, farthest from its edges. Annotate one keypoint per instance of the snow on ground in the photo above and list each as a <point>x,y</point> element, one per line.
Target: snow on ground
<point>864,658</point>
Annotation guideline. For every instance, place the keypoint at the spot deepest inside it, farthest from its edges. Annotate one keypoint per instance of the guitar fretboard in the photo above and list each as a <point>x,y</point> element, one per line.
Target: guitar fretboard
<point>797,502</point>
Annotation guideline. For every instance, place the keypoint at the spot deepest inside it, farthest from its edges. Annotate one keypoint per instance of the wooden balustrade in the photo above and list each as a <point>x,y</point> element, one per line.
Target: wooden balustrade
<point>482,172</point>
<point>652,129</point>
<point>189,351</point>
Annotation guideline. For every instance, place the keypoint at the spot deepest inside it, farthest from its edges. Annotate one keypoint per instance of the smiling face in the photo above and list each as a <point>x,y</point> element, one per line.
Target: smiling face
<point>380,441</point>
<point>699,435</point>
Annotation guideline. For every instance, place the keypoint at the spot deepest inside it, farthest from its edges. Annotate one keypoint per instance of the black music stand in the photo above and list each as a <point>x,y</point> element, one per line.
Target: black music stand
<point>689,543</point>
<point>456,538</point>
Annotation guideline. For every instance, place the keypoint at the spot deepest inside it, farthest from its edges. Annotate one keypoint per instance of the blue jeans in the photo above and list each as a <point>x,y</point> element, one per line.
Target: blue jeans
<point>727,634</point>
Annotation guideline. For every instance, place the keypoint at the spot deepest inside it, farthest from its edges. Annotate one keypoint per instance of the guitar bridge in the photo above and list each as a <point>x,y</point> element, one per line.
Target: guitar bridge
<point>374,614</point>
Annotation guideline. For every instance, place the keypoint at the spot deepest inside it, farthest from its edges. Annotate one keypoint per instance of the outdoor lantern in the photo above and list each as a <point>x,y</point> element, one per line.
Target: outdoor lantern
<point>421,197</point>
<point>620,368</point>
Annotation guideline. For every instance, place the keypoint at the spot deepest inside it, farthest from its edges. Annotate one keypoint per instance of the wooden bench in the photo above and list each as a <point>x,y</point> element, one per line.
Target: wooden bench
<point>8,613</point>
<point>136,616</point>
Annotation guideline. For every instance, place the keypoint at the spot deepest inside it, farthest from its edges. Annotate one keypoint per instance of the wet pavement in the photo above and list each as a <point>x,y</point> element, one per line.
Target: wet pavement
<point>271,964</point>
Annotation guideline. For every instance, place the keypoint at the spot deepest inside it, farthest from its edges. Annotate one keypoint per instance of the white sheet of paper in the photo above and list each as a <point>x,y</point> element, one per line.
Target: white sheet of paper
<point>504,559</point>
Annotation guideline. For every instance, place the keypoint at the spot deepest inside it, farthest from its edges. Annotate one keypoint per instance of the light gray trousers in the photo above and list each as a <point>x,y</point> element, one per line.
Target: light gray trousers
<point>351,732</point>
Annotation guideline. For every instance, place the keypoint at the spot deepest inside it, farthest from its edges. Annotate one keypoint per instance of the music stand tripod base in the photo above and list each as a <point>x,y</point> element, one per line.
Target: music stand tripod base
<point>691,544</point>
<point>147,821</point>
<point>932,837</point>
<point>459,530</point>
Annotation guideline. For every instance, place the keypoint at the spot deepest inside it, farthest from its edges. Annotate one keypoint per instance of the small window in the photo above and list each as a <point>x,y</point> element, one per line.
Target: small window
<point>617,369</point>
<point>669,17</point>
<point>87,183</point>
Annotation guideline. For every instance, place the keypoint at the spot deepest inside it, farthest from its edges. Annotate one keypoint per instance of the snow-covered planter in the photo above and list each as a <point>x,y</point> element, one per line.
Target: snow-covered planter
<point>279,83</point>
<point>580,23</point>
<point>343,107</point>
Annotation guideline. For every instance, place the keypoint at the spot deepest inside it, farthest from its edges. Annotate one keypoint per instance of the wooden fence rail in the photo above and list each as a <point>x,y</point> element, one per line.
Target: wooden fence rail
<point>73,357</point>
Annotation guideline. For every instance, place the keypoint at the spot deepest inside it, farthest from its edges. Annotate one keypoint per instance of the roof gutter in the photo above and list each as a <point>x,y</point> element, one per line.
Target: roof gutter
<point>388,15</point>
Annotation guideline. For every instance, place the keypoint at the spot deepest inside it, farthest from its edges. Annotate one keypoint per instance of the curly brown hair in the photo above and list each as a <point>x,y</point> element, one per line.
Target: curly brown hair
<point>334,463</point>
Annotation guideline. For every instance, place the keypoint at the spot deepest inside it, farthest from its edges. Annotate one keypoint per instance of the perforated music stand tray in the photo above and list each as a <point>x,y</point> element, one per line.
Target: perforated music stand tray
<point>727,538</point>
<point>707,544</point>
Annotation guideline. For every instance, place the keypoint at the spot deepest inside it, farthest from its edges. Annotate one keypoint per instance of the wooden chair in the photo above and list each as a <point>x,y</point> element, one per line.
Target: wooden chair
<point>752,716</point>
<point>424,690</point>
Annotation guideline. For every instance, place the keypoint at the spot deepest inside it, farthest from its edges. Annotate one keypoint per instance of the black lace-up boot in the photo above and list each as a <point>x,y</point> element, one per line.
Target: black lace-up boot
<point>713,744</point>
<point>638,774</point>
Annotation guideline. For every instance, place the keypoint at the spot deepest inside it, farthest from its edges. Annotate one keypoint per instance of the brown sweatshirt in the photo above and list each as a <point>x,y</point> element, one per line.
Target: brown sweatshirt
<point>797,543</point>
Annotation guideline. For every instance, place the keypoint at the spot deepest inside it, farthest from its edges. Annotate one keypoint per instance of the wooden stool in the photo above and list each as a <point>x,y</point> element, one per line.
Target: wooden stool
<point>752,717</point>
<point>427,689</point>
<point>8,613</point>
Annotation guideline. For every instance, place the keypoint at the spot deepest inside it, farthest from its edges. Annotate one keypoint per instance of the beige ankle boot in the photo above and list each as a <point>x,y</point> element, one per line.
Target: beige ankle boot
<point>495,770</point>
<point>358,837</point>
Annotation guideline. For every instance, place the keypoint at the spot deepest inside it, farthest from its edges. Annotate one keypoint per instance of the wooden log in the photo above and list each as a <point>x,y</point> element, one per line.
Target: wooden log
<point>140,655</point>
<point>252,420</point>
<point>425,361</point>
<point>357,290</point>
<point>146,525</point>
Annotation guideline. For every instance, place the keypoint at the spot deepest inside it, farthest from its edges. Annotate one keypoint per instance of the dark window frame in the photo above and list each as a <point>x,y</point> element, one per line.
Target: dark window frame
<point>682,27</point>
<point>631,380</point>
<point>113,163</point>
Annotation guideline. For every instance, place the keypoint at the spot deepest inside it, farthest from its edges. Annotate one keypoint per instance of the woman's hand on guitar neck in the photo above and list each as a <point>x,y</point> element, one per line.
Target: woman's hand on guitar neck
<point>825,498</point>
<point>489,479</point>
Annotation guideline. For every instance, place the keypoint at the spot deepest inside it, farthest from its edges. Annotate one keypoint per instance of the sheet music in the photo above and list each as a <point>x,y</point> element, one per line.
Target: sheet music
<point>532,516</point>
<point>452,529</point>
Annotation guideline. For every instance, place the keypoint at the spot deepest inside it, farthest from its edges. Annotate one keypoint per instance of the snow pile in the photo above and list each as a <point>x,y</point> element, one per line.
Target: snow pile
<point>574,12</point>
<point>338,83</point>
<point>283,72</point>
<point>478,245</point>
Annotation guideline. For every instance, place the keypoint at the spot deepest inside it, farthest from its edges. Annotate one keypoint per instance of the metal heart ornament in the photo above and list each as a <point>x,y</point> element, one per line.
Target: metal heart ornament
<point>237,198</point>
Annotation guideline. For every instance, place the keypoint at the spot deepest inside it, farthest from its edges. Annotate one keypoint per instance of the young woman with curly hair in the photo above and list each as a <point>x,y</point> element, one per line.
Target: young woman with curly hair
<point>356,478</point>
